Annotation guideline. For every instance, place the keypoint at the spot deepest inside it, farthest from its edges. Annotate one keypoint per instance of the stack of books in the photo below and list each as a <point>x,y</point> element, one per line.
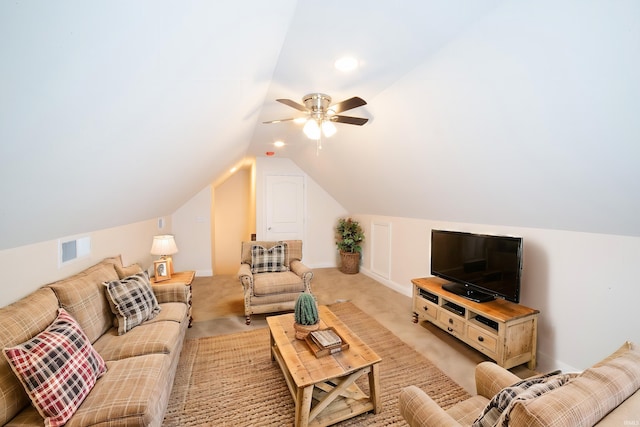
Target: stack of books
<point>326,338</point>
<point>326,341</point>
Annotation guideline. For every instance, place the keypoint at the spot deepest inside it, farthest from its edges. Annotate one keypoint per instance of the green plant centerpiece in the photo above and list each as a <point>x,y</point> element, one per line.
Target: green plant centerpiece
<point>306,315</point>
<point>349,235</point>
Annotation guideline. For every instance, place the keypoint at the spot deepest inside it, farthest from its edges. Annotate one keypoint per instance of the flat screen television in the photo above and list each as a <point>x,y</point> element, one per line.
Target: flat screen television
<point>480,267</point>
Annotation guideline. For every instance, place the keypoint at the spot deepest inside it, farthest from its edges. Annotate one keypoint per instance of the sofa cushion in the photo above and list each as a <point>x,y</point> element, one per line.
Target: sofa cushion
<point>58,368</point>
<point>277,283</point>
<point>624,348</point>
<point>128,271</point>
<point>270,260</point>
<point>83,296</point>
<point>131,393</point>
<point>497,411</point>
<point>148,338</point>
<point>115,260</point>
<point>586,399</point>
<point>132,301</point>
<point>171,292</point>
<point>20,322</point>
<point>171,311</point>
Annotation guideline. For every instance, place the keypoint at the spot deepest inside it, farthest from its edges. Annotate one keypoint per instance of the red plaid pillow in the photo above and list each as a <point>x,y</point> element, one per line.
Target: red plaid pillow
<point>57,368</point>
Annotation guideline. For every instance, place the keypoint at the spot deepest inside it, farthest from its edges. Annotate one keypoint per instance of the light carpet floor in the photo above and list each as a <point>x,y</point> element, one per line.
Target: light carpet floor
<point>230,380</point>
<point>218,309</point>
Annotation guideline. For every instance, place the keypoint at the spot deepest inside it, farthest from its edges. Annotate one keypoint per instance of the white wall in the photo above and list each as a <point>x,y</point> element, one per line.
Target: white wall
<point>322,212</point>
<point>192,231</point>
<point>26,268</point>
<point>585,285</point>
<point>527,118</point>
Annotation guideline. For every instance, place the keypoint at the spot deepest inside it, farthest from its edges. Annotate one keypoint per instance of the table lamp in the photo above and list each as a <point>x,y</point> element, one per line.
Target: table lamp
<point>165,246</point>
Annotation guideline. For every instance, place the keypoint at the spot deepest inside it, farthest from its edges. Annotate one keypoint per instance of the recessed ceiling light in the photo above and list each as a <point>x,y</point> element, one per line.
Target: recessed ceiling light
<point>346,64</point>
<point>279,144</point>
<point>233,169</point>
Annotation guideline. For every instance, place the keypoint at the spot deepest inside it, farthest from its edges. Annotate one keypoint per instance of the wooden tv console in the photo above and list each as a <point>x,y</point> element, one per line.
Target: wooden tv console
<point>504,331</point>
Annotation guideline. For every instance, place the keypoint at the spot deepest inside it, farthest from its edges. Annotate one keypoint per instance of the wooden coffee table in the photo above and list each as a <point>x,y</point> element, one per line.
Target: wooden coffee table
<point>324,389</point>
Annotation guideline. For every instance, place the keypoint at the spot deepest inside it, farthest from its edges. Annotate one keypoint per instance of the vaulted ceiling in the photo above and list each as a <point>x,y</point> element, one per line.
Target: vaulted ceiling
<point>491,111</point>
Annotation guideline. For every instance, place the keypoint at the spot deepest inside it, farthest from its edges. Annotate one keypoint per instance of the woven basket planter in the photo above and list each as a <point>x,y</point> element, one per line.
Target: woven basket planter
<point>303,330</point>
<point>350,262</point>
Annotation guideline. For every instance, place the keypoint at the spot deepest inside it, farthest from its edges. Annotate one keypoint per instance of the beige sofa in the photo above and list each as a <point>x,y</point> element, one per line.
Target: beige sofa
<point>141,363</point>
<point>607,394</point>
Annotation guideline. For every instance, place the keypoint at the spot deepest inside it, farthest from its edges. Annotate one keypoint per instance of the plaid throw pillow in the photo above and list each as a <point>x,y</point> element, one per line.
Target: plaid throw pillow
<point>268,260</point>
<point>496,413</point>
<point>132,301</point>
<point>57,368</point>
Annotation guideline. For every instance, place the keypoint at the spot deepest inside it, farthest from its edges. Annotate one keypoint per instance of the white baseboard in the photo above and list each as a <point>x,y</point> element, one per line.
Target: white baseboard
<point>388,283</point>
<point>545,363</point>
<point>321,265</point>
<point>204,273</point>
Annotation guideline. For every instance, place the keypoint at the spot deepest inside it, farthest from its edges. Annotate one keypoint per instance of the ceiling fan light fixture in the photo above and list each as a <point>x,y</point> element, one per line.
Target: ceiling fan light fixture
<point>328,129</point>
<point>312,129</point>
<point>321,115</point>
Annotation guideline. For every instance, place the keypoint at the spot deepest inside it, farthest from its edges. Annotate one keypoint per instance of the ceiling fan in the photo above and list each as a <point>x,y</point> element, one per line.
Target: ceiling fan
<point>320,114</point>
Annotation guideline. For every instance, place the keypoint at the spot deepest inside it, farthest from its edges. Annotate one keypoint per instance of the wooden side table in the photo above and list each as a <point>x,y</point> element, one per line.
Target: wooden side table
<point>186,278</point>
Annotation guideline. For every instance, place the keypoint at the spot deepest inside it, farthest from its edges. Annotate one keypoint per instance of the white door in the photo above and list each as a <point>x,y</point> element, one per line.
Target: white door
<point>284,207</point>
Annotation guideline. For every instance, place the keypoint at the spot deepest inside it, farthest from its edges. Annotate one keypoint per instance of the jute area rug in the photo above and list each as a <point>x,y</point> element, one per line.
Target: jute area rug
<point>230,380</point>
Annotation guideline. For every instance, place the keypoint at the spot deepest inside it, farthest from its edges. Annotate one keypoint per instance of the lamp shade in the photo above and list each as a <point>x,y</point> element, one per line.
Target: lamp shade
<point>163,245</point>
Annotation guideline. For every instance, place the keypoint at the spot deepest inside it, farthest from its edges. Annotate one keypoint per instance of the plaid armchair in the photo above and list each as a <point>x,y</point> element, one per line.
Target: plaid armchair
<point>272,275</point>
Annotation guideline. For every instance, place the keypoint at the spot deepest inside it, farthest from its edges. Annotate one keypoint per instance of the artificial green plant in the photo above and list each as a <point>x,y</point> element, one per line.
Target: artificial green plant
<point>349,235</point>
<point>306,310</point>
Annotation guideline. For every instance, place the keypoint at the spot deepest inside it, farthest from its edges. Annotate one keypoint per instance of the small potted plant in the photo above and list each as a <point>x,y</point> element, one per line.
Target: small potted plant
<point>349,235</point>
<point>306,315</point>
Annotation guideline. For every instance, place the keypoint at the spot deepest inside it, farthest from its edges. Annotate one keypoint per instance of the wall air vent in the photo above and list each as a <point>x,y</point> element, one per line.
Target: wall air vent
<point>72,249</point>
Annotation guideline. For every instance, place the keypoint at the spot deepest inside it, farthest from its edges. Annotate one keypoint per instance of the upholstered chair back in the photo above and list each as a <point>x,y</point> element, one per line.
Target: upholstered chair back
<point>293,250</point>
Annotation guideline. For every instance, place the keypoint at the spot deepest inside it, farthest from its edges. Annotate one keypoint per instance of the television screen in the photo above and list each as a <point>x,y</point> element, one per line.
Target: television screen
<point>480,266</point>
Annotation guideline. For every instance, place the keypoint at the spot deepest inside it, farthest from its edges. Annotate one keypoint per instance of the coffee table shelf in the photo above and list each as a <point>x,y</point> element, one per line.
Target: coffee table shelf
<point>324,389</point>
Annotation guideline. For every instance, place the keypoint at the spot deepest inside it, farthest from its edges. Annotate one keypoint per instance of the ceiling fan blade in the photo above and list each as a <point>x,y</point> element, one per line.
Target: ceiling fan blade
<point>348,104</point>
<point>349,120</point>
<point>278,121</point>
<point>293,104</point>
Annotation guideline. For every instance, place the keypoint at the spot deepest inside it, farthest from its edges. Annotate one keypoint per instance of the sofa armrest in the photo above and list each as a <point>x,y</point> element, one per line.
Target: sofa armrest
<point>245,276</point>
<point>491,378</point>
<point>171,292</point>
<point>302,270</point>
<point>418,409</point>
